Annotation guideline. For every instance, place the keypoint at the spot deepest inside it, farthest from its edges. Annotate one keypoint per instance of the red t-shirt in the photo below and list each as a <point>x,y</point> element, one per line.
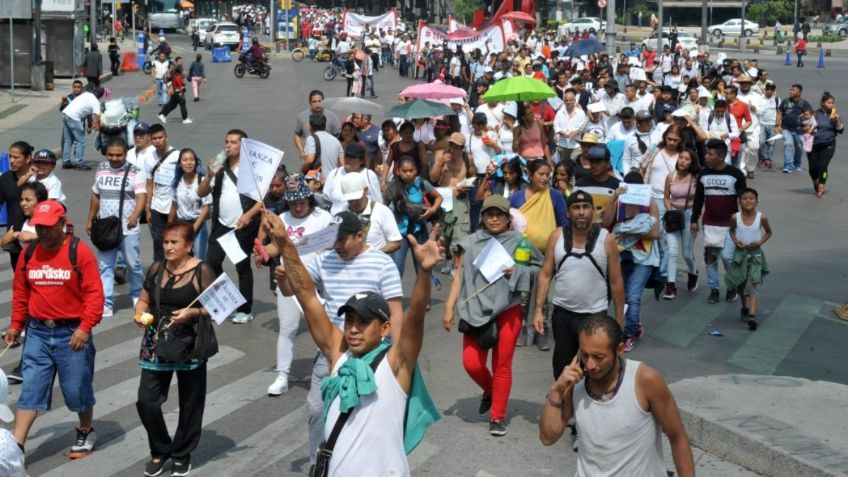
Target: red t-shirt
<point>650,57</point>
<point>547,113</point>
<point>51,290</point>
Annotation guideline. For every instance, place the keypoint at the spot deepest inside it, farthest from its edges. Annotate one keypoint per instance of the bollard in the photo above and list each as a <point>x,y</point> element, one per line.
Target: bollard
<point>818,44</point>
<point>779,50</point>
<point>788,61</point>
<point>827,52</point>
<point>4,166</point>
<point>756,49</point>
<point>278,46</point>
<point>141,51</point>
<point>821,58</point>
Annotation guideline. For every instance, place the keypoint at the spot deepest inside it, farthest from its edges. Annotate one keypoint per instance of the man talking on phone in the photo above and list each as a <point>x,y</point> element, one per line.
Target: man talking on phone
<point>624,404</point>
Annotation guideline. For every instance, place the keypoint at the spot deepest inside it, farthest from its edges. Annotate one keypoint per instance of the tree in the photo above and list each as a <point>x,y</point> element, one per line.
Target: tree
<point>767,11</point>
<point>463,10</point>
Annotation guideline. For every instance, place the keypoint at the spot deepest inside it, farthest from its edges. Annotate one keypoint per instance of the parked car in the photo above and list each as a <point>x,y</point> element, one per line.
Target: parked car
<point>222,34</point>
<point>583,24</point>
<point>686,39</point>
<point>202,25</point>
<point>734,28</point>
<point>837,28</point>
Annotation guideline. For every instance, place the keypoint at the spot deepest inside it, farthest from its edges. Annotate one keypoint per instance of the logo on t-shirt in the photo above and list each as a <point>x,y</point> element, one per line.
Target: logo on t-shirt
<point>48,275</point>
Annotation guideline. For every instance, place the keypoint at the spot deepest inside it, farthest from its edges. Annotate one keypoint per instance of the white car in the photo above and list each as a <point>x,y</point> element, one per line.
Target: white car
<point>583,24</point>
<point>685,39</point>
<point>734,28</point>
<point>202,25</point>
<point>222,34</point>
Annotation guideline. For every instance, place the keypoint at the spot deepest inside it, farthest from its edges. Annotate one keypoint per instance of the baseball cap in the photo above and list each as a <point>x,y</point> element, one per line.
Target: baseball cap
<point>47,213</point>
<point>488,69</point>
<point>366,305</point>
<point>644,115</point>
<point>44,156</point>
<point>495,202</point>
<point>141,128</point>
<point>457,139</point>
<point>5,413</point>
<point>349,224</point>
<point>458,101</point>
<point>598,152</point>
<point>770,84</point>
<point>511,108</point>
<point>579,196</point>
<point>355,149</point>
<point>353,185</point>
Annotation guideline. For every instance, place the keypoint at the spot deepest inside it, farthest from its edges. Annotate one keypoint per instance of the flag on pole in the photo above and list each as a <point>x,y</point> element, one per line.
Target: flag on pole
<point>262,161</point>
<point>221,298</point>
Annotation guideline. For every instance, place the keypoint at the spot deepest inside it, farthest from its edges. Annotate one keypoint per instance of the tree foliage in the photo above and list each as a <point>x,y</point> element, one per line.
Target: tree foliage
<point>463,10</point>
<point>767,11</point>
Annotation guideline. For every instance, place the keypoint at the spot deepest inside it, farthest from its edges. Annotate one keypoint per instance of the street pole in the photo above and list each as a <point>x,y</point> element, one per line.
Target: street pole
<point>286,22</point>
<point>12,57</point>
<point>795,22</point>
<point>704,23</point>
<point>610,32</point>
<point>271,22</point>
<point>742,31</point>
<point>660,29</point>
<point>625,16</point>
<point>92,21</point>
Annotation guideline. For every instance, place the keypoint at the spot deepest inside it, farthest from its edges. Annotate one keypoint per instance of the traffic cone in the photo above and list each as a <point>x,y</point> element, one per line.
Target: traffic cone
<point>788,61</point>
<point>821,58</point>
<point>130,62</point>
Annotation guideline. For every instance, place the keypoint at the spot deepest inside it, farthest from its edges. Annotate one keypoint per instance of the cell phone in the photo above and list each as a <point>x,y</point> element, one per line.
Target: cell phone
<point>581,363</point>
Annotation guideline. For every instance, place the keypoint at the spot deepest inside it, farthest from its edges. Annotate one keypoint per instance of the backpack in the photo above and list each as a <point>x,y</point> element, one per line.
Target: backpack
<point>72,255</point>
<point>317,153</point>
<point>591,241</point>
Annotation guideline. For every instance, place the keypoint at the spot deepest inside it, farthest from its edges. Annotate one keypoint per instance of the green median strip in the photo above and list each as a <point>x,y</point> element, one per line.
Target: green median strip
<point>689,322</point>
<point>12,110</point>
<point>767,347</point>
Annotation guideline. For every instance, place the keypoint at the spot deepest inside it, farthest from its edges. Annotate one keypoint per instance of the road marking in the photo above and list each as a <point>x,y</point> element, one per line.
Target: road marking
<point>689,322</point>
<point>263,448</point>
<point>117,397</point>
<point>771,343</point>
<point>131,446</point>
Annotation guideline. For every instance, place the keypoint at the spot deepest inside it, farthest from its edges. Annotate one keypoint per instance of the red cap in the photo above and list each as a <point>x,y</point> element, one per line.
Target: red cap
<point>47,213</point>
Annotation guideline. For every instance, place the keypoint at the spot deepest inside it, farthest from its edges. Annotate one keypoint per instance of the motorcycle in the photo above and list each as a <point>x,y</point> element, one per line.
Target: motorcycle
<point>337,68</point>
<point>260,68</point>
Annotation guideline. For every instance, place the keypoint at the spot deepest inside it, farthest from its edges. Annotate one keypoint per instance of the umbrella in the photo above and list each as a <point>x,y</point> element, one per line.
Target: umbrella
<point>433,91</point>
<point>519,17</point>
<point>186,4</point>
<point>584,47</point>
<point>420,108</point>
<point>352,104</point>
<point>519,88</point>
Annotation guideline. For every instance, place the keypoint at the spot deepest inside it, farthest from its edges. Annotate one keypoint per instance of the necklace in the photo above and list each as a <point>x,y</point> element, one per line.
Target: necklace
<point>610,393</point>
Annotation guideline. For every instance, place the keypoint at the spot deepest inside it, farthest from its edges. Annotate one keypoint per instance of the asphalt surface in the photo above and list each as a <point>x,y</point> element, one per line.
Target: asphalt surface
<point>247,433</point>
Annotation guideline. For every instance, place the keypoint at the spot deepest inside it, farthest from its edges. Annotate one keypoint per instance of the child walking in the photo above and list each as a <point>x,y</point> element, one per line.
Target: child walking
<point>749,229</point>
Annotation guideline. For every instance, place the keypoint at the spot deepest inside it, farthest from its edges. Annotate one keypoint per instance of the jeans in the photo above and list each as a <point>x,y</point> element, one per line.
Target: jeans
<point>792,149</point>
<point>312,53</point>
<point>368,85</point>
<point>674,241</point>
<point>725,254</point>
<point>315,405</point>
<point>288,312</point>
<point>152,394</point>
<point>216,257</point>
<point>158,220</point>
<point>766,147</point>
<point>399,255</point>
<point>48,352</point>
<point>404,66</point>
<point>819,158</point>
<point>201,242</point>
<point>131,249</point>
<point>662,243</point>
<point>74,133</point>
<point>161,92</point>
<point>634,285</point>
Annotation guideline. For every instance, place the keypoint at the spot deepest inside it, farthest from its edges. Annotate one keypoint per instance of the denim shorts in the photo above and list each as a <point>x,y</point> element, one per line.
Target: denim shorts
<point>47,352</point>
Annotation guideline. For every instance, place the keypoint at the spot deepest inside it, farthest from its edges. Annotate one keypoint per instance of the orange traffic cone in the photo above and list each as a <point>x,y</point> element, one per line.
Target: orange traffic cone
<point>129,62</point>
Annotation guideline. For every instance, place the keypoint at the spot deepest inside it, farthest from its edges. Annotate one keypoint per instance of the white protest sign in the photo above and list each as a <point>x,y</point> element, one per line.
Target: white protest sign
<point>447,198</point>
<point>493,260</point>
<point>257,164</point>
<point>318,241</point>
<point>354,24</point>
<point>637,194</point>
<point>231,247</point>
<point>221,298</point>
<point>638,74</point>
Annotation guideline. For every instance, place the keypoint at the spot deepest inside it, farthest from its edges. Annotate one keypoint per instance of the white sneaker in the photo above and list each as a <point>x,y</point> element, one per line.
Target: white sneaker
<point>187,121</point>
<point>135,301</point>
<point>279,386</point>
<point>84,443</point>
<point>107,312</point>
<point>241,318</point>
<point>162,119</point>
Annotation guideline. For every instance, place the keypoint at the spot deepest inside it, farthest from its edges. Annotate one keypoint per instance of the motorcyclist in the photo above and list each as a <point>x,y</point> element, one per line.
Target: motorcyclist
<point>162,47</point>
<point>255,55</point>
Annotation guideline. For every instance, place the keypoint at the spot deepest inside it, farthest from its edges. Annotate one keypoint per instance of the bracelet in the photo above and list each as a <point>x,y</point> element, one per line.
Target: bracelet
<point>553,403</point>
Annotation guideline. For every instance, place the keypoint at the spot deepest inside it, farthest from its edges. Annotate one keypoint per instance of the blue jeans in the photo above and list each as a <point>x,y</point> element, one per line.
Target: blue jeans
<point>162,93</point>
<point>792,149</point>
<point>634,285</point>
<point>73,133</point>
<point>662,243</point>
<point>399,255</point>
<point>131,249</point>
<point>725,254</point>
<point>677,240</point>
<point>766,147</point>
<point>48,352</point>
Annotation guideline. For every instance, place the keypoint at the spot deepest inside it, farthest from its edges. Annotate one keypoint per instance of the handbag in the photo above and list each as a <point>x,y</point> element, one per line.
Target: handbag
<point>107,233</point>
<point>674,220</point>
<point>174,343</point>
<point>325,450</point>
<point>205,342</point>
<point>487,334</point>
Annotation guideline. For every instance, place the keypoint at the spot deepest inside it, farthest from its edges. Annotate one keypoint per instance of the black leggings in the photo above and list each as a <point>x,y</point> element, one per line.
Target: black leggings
<point>564,325</point>
<point>819,159</point>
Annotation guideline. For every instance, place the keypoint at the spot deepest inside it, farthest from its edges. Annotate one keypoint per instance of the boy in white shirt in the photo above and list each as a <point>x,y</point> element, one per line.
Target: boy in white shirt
<point>43,163</point>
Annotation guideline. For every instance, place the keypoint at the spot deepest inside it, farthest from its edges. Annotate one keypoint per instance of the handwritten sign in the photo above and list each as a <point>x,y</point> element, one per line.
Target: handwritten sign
<point>221,298</point>
<point>262,161</point>
<point>637,194</point>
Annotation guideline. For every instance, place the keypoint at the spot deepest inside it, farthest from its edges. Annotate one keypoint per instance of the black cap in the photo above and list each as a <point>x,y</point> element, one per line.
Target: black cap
<point>598,152</point>
<point>349,224</point>
<point>579,196</point>
<point>355,149</point>
<point>366,305</point>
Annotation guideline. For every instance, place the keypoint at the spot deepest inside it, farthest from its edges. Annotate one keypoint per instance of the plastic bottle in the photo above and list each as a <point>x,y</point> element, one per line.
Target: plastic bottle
<point>523,251</point>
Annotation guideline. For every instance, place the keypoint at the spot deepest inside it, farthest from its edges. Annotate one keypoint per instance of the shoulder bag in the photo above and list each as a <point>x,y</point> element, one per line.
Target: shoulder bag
<point>674,220</point>
<point>108,232</point>
<point>205,342</point>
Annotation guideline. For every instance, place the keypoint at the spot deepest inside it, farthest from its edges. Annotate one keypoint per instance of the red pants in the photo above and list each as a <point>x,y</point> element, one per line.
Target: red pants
<point>497,383</point>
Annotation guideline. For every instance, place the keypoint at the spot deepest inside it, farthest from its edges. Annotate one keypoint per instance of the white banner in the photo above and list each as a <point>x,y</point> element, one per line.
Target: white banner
<point>221,298</point>
<point>454,25</point>
<point>354,24</point>
<point>257,165</point>
<point>491,38</point>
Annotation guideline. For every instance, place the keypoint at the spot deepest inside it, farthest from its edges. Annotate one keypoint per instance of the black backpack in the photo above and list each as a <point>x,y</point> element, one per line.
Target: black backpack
<point>591,241</point>
<point>72,255</point>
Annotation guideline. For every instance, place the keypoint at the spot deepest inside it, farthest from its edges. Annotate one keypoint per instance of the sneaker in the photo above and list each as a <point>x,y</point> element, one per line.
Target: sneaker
<point>714,297</point>
<point>188,121</point>
<point>241,318</point>
<point>153,468</point>
<point>692,282</point>
<point>15,377</point>
<point>107,312</point>
<point>752,323</point>
<point>743,313</point>
<point>82,167</point>
<point>485,404</point>
<point>84,445</point>
<point>628,344</point>
<point>496,428</point>
<point>522,337</point>
<point>67,165</point>
<point>543,341</point>
<point>786,170</point>
<point>730,296</point>
<point>799,169</point>
<point>180,468</point>
<point>670,291</point>
<point>162,119</point>
<point>279,386</point>
<point>135,301</point>
<point>750,175</point>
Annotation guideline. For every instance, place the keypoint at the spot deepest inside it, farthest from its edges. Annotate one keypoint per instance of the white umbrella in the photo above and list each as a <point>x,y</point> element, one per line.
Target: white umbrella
<point>352,104</point>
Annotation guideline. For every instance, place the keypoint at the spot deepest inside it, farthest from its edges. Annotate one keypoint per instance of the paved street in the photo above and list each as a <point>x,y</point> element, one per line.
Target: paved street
<point>247,433</point>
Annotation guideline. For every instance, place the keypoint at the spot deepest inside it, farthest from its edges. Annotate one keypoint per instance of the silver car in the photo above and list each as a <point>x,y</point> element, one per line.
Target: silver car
<point>837,28</point>
<point>734,28</point>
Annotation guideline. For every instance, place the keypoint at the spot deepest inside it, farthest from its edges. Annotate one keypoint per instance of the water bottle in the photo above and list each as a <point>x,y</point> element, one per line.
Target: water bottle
<point>523,251</point>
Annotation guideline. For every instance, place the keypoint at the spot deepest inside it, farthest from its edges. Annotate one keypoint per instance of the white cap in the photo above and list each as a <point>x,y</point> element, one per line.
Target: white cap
<point>680,113</point>
<point>488,69</point>
<point>5,413</point>
<point>511,108</point>
<point>353,186</point>
<point>703,93</point>
<point>458,101</point>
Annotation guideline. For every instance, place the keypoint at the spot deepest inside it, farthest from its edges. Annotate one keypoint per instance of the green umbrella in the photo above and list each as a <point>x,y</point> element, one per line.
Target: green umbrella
<point>519,88</point>
<point>420,108</point>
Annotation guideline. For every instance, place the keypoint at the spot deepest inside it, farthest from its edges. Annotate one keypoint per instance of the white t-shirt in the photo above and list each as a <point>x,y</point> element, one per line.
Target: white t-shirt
<point>297,228</point>
<point>331,149</point>
<point>229,205</point>
<point>455,66</point>
<point>382,227</point>
<point>53,186</point>
<point>189,204</point>
<point>83,105</point>
<point>160,67</point>
<point>481,153</point>
<point>163,179</point>
<point>107,185</point>
<point>494,115</point>
<point>140,159</point>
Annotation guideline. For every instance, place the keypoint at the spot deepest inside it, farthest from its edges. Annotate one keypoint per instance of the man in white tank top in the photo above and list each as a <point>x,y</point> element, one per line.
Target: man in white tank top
<point>373,436</point>
<point>620,405</point>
